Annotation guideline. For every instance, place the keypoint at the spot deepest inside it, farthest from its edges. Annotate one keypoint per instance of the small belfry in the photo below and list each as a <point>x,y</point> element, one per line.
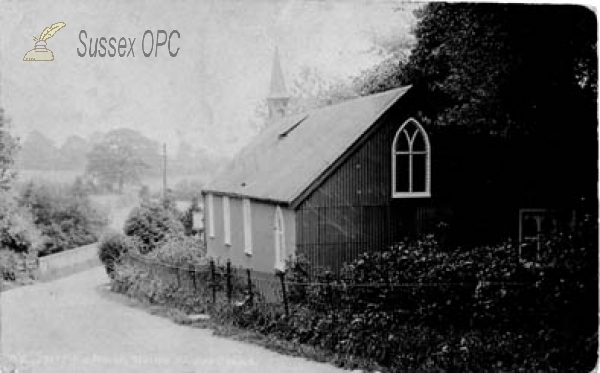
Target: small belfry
<point>278,96</point>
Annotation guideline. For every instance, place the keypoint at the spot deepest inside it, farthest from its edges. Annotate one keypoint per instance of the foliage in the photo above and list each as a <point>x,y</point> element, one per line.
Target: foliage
<point>38,152</point>
<point>382,76</point>
<point>152,223</point>
<point>7,265</point>
<point>310,90</point>
<point>187,218</point>
<point>503,81</point>
<point>510,71</point>
<point>73,153</point>
<point>121,157</point>
<point>13,266</point>
<point>64,214</point>
<point>135,279</point>
<point>417,307</point>
<point>8,148</point>
<point>498,63</point>
<point>464,310</point>
<point>180,251</point>
<point>478,309</point>
<point>111,249</point>
<point>17,230</point>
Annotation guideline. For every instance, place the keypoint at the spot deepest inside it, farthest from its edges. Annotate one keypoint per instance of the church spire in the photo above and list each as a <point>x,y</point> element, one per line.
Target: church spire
<point>278,96</point>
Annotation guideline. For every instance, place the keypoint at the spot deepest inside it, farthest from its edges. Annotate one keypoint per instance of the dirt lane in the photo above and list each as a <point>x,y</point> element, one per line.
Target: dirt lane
<point>76,325</point>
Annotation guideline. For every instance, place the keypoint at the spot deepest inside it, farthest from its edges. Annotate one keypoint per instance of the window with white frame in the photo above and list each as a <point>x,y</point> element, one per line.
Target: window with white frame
<point>279,231</point>
<point>211,216</point>
<point>226,221</point>
<point>247,227</point>
<point>411,161</point>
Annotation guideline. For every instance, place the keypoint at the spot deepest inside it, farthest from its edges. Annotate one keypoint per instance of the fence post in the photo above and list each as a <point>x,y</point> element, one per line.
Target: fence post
<point>229,290</point>
<point>250,292</point>
<point>283,292</point>
<point>213,281</point>
<point>193,272</point>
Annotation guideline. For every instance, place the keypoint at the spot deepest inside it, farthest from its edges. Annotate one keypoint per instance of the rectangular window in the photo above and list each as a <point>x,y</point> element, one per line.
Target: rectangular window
<point>247,227</point>
<point>211,216</point>
<point>226,221</point>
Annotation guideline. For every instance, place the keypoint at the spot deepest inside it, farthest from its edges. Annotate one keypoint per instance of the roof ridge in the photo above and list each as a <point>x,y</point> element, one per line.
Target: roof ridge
<point>343,102</point>
<point>298,192</point>
<point>267,168</point>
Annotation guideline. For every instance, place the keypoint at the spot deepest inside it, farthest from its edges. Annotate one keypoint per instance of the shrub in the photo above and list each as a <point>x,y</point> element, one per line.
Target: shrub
<point>180,251</point>
<point>64,215</point>
<point>8,262</point>
<point>465,310</point>
<point>136,280</point>
<point>453,310</point>
<point>187,218</point>
<point>17,231</point>
<point>111,249</point>
<point>152,223</point>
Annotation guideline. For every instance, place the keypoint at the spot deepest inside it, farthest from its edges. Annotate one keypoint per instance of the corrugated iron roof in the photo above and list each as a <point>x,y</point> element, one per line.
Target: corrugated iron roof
<point>289,155</point>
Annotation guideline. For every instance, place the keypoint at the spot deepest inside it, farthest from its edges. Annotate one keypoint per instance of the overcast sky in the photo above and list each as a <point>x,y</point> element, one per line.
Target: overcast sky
<point>208,93</point>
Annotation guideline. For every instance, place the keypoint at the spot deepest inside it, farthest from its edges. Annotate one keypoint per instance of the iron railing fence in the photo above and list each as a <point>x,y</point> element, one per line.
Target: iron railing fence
<point>461,302</point>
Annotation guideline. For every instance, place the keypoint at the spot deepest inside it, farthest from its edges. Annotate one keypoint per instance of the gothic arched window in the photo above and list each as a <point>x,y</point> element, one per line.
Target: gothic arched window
<point>411,161</point>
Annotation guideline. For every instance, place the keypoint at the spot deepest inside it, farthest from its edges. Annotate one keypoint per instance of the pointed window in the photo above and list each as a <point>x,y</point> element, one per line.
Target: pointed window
<point>411,162</point>
<point>279,231</point>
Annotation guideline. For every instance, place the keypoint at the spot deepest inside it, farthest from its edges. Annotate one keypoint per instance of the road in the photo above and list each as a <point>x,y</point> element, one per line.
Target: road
<point>77,325</point>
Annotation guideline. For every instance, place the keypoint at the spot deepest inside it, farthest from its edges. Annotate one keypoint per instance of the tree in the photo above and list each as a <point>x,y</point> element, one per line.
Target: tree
<point>503,67</point>
<point>310,90</point>
<point>17,232</point>
<point>122,157</point>
<point>73,153</point>
<point>38,152</point>
<point>8,148</point>
<point>523,74</point>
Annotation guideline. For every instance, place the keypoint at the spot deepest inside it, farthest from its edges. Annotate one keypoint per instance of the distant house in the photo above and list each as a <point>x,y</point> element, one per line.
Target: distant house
<point>359,176</point>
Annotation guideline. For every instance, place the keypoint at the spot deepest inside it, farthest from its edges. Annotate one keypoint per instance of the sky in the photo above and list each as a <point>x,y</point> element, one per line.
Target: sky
<point>209,92</point>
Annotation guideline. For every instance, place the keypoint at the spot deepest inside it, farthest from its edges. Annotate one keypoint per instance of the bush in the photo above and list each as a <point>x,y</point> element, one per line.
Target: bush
<point>137,281</point>
<point>420,307</point>
<point>17,230</point>
<point>152,223</point>
<point>8,263</point>
<point>187,218</point>
<point>465,310</point>
<point>64,215</point>
<point>111,249</point>
<point>180,251</point>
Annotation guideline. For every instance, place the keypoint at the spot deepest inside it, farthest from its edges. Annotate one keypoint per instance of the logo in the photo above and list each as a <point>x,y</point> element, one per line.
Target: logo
<point>40,52</point>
